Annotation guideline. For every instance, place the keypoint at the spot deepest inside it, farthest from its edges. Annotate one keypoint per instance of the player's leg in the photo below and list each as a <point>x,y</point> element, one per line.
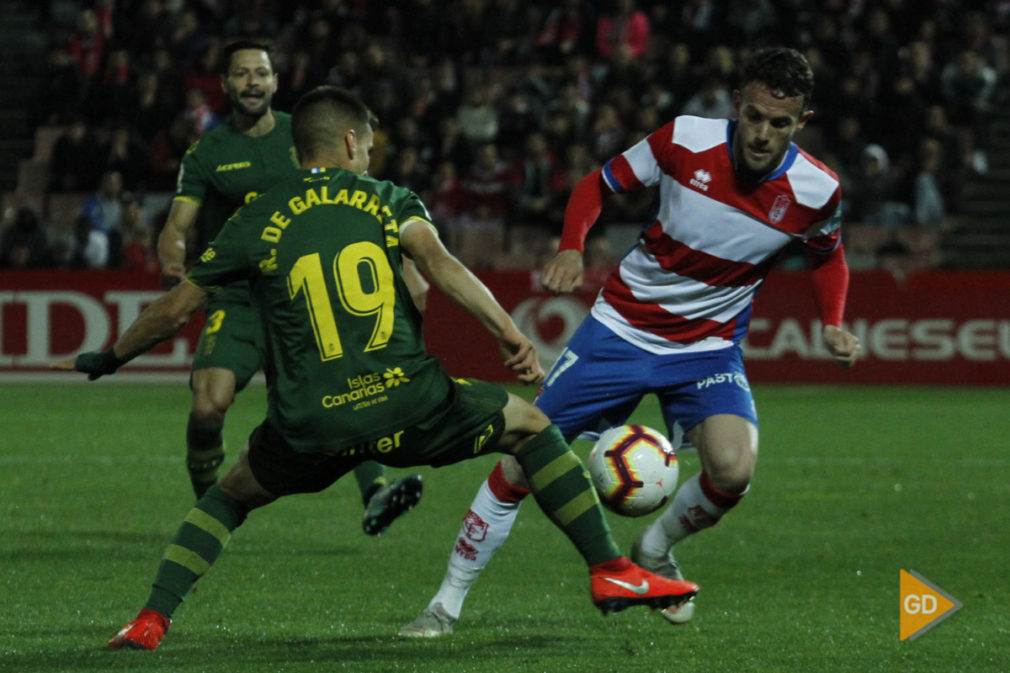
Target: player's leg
<point>228,354</point>
<point>213,393</point>
<point>718,411</point>
<point>267,468</point>
<point>573,398</point>
<point>561,486</point>
<point>193,550</point>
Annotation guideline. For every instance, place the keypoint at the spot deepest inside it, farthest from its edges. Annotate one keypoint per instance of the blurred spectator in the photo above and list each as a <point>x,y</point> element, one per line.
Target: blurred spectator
<point>62,89</point>
<point>138,242</point>
<point>624,25</point>
<point>167,149</point>
<point>186,39</point>
<point>86,44</point>
<point>452,146</point>
<point>678,74</point>
<point>143,29</point>
<point>109,96</point>
<point>751,20</point>
<point>486,183</point>
<point>198,112</point>
<point>713,101</point>
<point>423,26</point>
<point>607,132</point>
<point>928,201</point>
<point>874,200</point>
<point>407,170</point>
<point>447,196</point>
<point>89,247</point>
<point>478,115</point>
<point>104,208</point>
<point>205,75</point>
<point>150,108</point>
<point>298,78</point>
<point>169,76</point>
<point>74,166</point>
<point>520,116</point>
<point>123,154</point>
<point>969,85</point>
<point>24,244</point>
<point>537,186</point>
<point>510,41</point>
<point>562,31</point>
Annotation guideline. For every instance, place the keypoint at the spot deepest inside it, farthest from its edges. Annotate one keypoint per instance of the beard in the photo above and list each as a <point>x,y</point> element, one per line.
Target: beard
<point>250,106</point>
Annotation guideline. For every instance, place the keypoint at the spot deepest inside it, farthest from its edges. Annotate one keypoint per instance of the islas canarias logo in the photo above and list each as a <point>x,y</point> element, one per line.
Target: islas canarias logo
<point>367,389</point>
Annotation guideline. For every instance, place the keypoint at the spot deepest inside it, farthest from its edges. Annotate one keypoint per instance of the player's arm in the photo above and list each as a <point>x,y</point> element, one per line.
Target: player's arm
<point>159,321</point>
<point>564,272</point>
<point>831,283</point>
<point>449,275</point>
<point>172,241</point>
<point>416,283</point>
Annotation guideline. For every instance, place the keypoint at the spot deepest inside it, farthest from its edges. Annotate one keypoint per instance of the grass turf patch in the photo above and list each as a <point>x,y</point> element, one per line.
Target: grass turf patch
<point>852,485</point>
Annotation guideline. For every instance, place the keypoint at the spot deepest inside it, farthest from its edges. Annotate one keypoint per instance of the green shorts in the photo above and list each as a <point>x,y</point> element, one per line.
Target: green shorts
<point>468,424</point>
<point>232,339</point>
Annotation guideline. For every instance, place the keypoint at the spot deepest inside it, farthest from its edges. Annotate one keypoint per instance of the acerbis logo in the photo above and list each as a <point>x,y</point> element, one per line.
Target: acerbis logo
<point>701,179</point>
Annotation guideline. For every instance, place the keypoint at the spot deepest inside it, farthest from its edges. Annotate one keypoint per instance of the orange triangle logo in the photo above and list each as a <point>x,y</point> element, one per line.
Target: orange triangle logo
<point>923,605</point>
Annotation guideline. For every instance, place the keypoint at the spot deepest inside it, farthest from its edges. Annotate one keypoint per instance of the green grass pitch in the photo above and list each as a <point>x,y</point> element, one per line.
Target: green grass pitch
<point>852,485</point>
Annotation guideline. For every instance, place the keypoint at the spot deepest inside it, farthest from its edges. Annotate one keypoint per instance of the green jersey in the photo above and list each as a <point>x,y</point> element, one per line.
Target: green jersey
<point>346,363</point>
<point>226,169</point>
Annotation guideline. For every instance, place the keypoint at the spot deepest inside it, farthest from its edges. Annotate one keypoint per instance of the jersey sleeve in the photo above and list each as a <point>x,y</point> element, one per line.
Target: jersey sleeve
<point>191,183</point>
<point>643,164</point>
<point>227,259</point>
<point>826,233</point>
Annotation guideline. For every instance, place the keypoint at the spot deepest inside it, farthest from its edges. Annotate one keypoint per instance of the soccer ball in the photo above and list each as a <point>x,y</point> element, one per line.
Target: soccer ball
<point>634,469</point>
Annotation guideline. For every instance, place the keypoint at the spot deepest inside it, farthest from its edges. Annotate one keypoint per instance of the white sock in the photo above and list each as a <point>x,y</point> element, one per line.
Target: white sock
<point>696,506</point>
<point>485,528</point>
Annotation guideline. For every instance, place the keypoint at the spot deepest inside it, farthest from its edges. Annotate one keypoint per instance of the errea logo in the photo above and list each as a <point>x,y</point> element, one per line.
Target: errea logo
<point>701,179</point>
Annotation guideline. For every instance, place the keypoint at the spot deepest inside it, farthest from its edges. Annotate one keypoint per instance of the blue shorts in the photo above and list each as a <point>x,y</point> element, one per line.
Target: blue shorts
<point>600,378</point>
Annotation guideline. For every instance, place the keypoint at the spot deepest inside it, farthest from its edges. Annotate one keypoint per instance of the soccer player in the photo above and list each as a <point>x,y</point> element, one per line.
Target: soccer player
<point>671,317</point>
<point>228,167</point>
<point>348,377</point>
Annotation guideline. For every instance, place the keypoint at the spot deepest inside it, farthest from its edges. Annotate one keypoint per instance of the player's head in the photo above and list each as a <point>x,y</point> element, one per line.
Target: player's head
<point>331,126</point>
<point>248,77</point>
<point>772,104</point>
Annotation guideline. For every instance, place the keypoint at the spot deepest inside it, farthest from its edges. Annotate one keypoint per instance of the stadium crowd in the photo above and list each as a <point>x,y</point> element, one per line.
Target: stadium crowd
<point>492,109</point>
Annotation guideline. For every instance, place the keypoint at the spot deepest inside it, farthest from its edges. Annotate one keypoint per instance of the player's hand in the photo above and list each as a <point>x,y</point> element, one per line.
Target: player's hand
<point>844,346</point>
<point>172,275</point>
<point>563,273</point>
<point>93,363</point>
<point>521,357</point>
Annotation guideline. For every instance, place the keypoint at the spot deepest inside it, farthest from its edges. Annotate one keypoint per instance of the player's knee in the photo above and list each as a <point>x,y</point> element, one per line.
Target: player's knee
<point>732,471</point>
<point>210,405</point>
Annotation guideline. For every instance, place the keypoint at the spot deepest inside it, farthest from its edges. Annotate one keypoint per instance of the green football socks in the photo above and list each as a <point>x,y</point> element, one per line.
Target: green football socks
<point>204,454</point>
<point>371,476</point>
<point>562,488</point>
<point>204,533</point>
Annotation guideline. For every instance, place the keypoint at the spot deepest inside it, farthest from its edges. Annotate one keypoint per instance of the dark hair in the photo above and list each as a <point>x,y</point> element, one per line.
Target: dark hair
<point>239,45</point>
<point>783,70</point>
<point>323,113</point>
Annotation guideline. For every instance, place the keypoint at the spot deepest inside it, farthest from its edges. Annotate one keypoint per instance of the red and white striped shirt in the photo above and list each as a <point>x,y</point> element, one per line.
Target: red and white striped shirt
<point>689,283</point>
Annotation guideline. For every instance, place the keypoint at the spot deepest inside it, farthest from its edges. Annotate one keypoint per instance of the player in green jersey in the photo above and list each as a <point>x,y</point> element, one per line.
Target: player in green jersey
<point>224,170</point>
<point>348,376</point>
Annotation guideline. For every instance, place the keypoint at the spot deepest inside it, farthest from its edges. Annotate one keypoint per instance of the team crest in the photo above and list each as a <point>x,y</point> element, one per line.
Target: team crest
<point>779,208</point>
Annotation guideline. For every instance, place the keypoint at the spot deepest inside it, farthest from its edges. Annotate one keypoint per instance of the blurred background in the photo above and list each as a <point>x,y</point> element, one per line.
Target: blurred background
<point>492,109</point>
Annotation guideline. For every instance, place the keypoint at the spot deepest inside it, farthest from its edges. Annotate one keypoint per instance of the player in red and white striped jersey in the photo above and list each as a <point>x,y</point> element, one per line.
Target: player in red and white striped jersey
<point>671,317</point>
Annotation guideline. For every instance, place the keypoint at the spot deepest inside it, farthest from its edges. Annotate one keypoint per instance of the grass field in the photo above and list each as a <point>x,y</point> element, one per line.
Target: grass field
<point>853,484</point>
